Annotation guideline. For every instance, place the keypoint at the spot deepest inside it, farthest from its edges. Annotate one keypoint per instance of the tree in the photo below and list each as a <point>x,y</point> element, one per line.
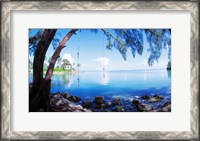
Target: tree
<point>121,39</point>
<point>59,61</point>
<point>30,65</point>
<point>37,98</point>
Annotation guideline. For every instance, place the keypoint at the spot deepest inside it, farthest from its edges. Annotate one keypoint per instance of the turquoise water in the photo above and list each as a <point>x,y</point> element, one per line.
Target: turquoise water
<point>123,84</point>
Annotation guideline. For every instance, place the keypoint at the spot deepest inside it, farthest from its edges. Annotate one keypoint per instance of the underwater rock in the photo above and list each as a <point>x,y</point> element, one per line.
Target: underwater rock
<point>166,107</point>
<point>100,106</point>
<point>108,104</point>
<point>144,107</point>
<point>116,101</point>
<point>155,98</point>
<point>145,97</point>
<point>87,104</point>
<point>99,100</point>
<point>135,101</point>
<point>119,109</point>
<point>106,110</point>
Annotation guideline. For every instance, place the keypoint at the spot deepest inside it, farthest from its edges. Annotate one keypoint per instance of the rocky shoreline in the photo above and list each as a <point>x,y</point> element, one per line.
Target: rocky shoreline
<point>66,102</point>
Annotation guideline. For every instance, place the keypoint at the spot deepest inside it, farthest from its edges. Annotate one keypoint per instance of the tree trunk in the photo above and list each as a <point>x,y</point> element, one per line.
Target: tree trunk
<point>41,99</point>
<point>38,63</point>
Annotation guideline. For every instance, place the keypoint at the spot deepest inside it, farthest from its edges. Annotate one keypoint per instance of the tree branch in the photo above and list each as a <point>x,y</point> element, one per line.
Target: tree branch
<point>57,53</point>
<point>108,33</point>
<point>157,34</point>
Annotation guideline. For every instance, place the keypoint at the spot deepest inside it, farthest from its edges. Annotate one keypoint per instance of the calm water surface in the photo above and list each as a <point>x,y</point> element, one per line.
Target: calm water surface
<point>124,84</point>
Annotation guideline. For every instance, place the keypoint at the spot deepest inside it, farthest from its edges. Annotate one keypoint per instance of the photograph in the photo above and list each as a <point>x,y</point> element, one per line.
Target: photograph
<point>99,70</point>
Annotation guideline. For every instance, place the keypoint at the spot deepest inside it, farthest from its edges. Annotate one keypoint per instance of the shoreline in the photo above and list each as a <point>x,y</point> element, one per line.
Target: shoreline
<point>65,102</point>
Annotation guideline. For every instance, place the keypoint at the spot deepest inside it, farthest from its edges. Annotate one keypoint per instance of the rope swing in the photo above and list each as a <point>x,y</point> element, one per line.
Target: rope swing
<point>103,56</point>
<point>78,65</point>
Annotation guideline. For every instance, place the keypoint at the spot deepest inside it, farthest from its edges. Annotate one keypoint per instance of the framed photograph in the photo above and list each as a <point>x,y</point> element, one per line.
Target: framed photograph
<point>100,70</point>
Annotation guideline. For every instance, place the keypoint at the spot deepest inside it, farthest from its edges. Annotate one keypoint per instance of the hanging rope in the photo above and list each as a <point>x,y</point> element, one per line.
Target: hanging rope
<point>103,56</point>
<point>78,65</point>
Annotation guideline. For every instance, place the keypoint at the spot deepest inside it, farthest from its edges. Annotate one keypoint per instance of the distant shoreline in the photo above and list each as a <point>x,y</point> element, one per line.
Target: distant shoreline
<point>81,71</point>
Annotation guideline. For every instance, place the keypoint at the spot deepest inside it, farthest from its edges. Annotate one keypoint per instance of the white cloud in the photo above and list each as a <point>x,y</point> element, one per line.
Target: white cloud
<point>103,60</point>
<point>68,57</point>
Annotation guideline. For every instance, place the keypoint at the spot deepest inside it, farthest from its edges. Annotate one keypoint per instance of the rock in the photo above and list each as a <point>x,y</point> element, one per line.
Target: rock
<point>116,101</point>
<point>76,108</point>
<point>145,97</point>
<point>59,103</point>
<point>95,110</point>
<point>67,95</point>
<point>74,98</point>
<point>166,107</point>
<point>155,98</point>
<point>87,105</point>
<point>144,107</point>
<point>99,100</point>
<point>101,106</point>
<point>119,109</point>
<point>135,101</point>
<point>108,104</point>
<point>105,110</point>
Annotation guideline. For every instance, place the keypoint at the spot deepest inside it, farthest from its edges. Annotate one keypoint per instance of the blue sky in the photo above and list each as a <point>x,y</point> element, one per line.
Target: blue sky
<point>93,54</point>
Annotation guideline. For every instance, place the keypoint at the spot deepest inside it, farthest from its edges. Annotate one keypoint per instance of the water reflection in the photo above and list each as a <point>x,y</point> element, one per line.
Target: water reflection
<point>169,73</point>
<point>145,75</point>
<point>60,81</point>
<point>105,79</point>
<point>89,83</point>
<point>125,76</point>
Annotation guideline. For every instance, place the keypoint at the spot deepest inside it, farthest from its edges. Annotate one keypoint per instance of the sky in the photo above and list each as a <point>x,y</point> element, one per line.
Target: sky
<point>93,54</point>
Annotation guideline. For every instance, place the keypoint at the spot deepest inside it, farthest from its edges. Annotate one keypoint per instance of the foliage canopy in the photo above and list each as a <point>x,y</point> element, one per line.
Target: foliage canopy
<point>122,39</point>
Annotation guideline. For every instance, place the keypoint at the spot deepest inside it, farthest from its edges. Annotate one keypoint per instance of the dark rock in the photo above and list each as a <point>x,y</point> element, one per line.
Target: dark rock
<point>99,100</point>
<point>144,107</point>
<point>58,102</point>
<point>119,109</point>
<point>166,107</point>
<point>87,105</point>
<point>105,110</point>
<point>135,101</point>
<point>67,95</point>
<point>116,101</point>
<point>145,97</point>
<point>101,106</point>
<point>108,104</point>
<point>155,98</point>
<point>95,110</point>
<point>74,98</point>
